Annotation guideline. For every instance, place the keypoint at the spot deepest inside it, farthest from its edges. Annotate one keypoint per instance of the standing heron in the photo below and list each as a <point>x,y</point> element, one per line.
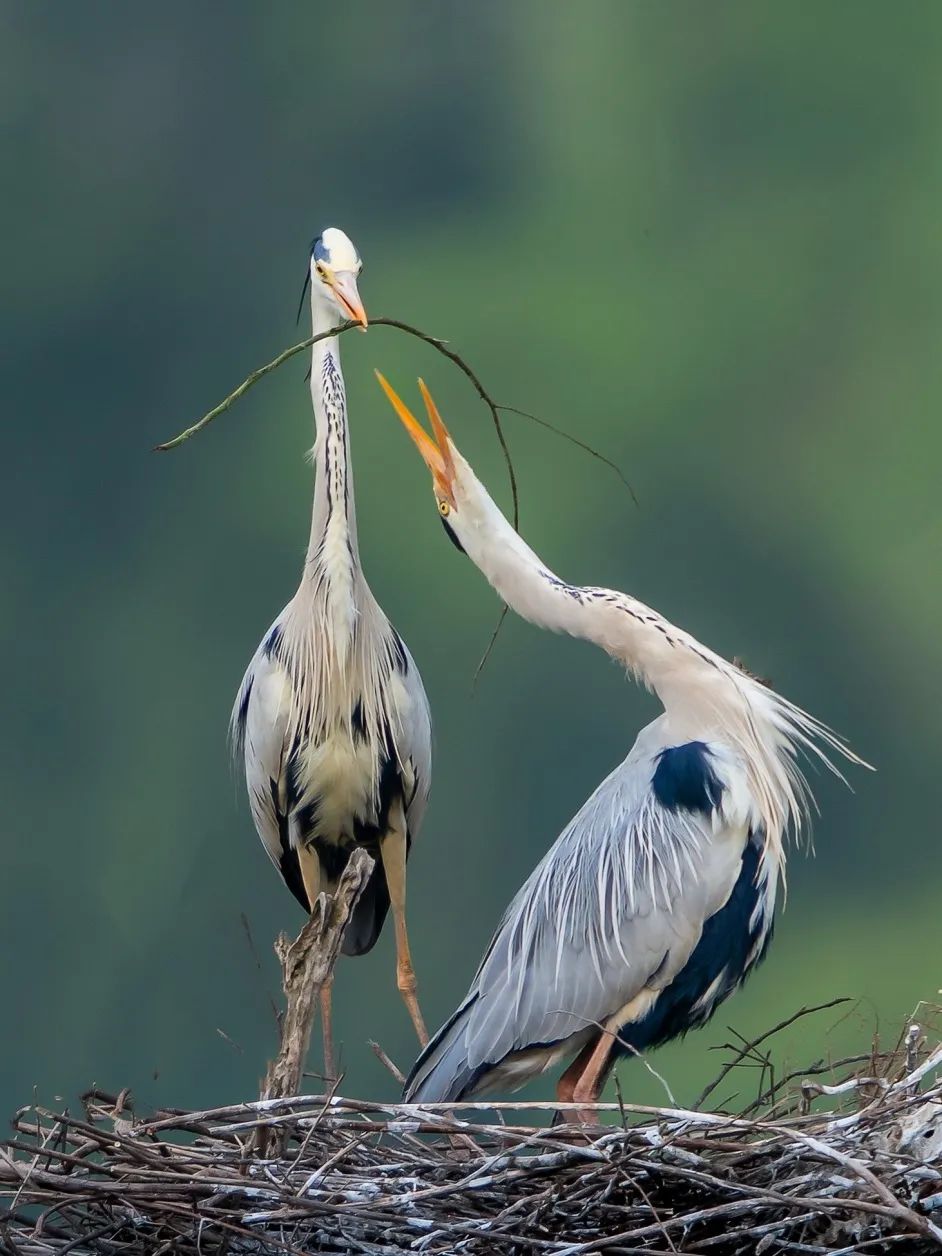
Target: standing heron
<point>657,899</point>
<point>331,717</point>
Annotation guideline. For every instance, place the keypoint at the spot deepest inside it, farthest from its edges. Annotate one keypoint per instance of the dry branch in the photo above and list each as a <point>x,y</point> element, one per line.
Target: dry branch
<point>306,964</point>
<point>495,408</point>
<point>436,343</point>
<point>441,346</point>
<point>852,1164</point>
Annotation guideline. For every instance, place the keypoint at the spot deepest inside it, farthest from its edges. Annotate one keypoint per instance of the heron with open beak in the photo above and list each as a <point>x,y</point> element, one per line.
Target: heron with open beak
<point>658,898</point>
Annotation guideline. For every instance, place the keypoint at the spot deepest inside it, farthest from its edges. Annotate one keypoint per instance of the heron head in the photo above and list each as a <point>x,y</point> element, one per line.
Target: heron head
<point>438,450</point>
<point>335,267</point>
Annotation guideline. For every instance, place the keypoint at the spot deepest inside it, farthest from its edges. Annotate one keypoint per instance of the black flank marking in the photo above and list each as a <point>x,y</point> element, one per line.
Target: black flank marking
<point>366,833</point>
<point>305,819</point>
<point>333,858</point>
<point>684,779</point>
<point>272,642</point>
<point>244,711</point>
<point>293,789</point>
<point>291,875</point>
<point>722,955</point>
<point>281,817</point>
<point>290,869</point>
<point>357,723</point>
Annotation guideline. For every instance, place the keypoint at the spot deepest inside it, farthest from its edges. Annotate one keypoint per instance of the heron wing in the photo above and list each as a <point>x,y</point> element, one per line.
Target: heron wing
<point>416,744</point>
<point>614,909</point>
<point>259,728</point>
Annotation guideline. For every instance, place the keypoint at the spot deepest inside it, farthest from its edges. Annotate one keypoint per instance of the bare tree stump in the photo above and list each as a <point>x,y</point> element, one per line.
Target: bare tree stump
<point>306,963</point>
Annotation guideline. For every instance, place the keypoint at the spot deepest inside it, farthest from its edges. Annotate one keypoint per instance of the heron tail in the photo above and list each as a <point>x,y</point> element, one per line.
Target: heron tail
<point>442,1073</point>
<point>368,916</point>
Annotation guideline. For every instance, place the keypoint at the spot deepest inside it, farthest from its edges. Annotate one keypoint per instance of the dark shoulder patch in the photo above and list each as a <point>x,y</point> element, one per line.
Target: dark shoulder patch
<point>357,722</point>
<point>684,779</point>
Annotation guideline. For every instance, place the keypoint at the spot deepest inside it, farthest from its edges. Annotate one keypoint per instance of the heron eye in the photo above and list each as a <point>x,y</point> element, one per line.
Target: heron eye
<point>320,269</point>
<point>443,507</point>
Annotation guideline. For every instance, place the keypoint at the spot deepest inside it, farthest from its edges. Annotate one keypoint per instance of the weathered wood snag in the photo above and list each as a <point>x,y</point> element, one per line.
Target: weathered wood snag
<point>307,963</point>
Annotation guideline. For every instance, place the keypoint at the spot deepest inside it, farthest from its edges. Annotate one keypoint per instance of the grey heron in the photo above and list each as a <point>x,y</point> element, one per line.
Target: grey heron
<point>658,898</point>
<point>331,718</point>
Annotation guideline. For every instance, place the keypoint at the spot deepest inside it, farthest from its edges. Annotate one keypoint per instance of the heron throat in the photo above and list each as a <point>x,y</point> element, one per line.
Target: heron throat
<point>332,566</point>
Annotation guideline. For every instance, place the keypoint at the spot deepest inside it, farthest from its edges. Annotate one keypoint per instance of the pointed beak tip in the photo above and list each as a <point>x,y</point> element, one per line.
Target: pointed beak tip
<point>344,284</point>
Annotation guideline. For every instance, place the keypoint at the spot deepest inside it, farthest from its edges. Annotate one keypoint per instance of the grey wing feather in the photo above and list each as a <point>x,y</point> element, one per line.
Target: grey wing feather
<point>416,743</point>
<point>621,896</point>
<point>258,728</point>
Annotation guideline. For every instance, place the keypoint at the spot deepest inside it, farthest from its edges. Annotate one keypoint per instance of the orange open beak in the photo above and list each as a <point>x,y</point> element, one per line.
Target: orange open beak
<point>436,456</point>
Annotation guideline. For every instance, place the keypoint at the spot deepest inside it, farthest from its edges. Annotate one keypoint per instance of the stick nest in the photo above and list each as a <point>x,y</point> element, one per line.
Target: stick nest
<point>843,1158</point>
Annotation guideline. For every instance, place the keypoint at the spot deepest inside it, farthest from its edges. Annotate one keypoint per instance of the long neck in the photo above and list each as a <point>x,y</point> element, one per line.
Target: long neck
<point>663,657</point>
<point>703,694</point>
<point>332,565</point>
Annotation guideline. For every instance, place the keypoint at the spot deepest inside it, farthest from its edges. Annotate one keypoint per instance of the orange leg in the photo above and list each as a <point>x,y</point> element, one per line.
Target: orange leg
<point>589,1083</point>
<point>393,853</point>
<point>310,867</point>
<point>567,1083</point>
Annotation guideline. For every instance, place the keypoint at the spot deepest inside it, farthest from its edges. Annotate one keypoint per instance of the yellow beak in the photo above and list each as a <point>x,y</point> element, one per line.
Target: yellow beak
<point>437,456</point>
<point>344,284</point>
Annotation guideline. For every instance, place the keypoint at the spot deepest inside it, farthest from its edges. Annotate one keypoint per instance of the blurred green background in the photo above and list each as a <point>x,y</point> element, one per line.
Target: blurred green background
<point>703,237</point>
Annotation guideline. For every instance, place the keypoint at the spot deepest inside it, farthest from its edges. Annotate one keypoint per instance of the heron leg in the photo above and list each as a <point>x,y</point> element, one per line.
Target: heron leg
<point>567,1082</point>
<point>310,866</point>
<point>392,851</point>
<point>590,1081</point>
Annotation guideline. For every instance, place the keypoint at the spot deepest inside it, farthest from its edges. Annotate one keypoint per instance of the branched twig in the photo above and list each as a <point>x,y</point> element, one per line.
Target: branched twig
<point>442,347</point>
<point>391,1179</point>
<point>573,440</point>
<point>436,343</point>
<point>744,1051</point>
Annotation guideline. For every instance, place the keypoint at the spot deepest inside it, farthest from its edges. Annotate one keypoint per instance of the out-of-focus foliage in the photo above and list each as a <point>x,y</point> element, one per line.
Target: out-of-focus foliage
<point>704,238</point>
